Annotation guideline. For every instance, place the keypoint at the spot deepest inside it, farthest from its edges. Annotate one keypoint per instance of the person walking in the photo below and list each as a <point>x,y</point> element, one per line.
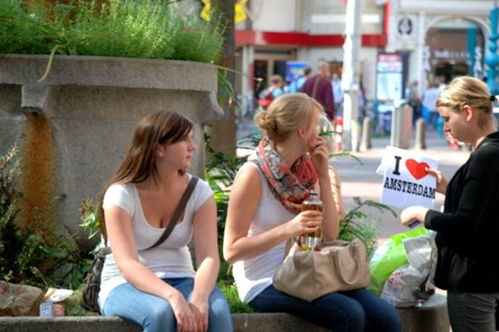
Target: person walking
<point>158,288</point>
<point>430,96</point>
<point>467,230</point>
<point>319,87</point>
<point>337,95</point>
<point>274,90</point>
<point>264,212</point>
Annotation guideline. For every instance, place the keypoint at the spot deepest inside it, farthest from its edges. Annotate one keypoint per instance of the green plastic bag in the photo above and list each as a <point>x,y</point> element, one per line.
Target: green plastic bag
<point>389,257</point>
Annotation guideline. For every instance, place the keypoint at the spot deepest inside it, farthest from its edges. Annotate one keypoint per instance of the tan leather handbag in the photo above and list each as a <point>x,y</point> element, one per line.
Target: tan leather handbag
<point>338,266</point>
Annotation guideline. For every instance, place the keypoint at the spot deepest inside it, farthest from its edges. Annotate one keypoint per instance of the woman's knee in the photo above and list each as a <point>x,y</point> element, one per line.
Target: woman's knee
<point>355,317</point>
<point>220,317</point>
<point>343,313</point>
<point>159,317</point>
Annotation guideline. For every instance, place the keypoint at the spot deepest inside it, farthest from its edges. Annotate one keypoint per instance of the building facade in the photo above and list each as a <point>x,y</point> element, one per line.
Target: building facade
<point>434,39</point>
<point>444,38</point>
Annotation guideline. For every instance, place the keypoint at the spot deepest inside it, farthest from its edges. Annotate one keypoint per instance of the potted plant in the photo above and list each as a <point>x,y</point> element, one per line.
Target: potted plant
<point>83,72</point>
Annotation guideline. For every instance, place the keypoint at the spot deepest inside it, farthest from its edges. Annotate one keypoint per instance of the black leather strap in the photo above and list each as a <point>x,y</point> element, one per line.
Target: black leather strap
<point>178,211</point>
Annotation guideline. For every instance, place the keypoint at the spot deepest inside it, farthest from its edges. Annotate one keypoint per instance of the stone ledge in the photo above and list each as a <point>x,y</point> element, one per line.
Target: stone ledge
<point>272,322</point>
<point>430,317</point>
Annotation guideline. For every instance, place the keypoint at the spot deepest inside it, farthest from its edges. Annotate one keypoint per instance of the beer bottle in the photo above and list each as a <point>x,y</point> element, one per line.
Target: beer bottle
<point>313,240</point>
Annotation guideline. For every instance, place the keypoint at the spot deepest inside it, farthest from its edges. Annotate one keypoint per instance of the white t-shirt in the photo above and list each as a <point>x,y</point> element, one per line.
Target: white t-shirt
<point>172,258</point>
<point>253,275</point>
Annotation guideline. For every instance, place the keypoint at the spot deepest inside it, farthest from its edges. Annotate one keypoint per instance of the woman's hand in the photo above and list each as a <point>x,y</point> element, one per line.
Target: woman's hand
<point>186,321</point>
<point>304,222</point>
<point>200,311</point>
<point>441,180</point>
<point>412,214</point>
<point>319,155</point>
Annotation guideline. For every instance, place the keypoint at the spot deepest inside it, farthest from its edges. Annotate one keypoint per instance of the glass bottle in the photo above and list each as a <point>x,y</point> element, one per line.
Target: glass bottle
<point>313,240</point>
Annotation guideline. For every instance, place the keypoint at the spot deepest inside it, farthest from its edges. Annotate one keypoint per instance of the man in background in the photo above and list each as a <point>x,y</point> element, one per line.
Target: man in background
<point>319,87</point>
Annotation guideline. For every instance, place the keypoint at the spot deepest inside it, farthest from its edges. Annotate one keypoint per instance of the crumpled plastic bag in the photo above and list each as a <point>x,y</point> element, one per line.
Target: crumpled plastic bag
<point>412,284</point>
<point>19,300</point>
<point>389,257</point>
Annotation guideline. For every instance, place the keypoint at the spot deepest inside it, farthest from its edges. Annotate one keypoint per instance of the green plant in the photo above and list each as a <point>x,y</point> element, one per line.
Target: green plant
<point>235,304</point>
<point>357,224</point>
<point>152,29</point>
<point>89,218</point>
<point>43,260</point>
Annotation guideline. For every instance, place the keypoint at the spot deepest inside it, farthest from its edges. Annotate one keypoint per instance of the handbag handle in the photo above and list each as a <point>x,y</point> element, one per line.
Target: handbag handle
<point>178,212</point>
<point>354,251</point>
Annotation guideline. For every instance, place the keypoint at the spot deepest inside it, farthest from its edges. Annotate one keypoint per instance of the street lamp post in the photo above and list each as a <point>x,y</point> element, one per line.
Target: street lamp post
<point>492,59</point>
<point>350,77</point>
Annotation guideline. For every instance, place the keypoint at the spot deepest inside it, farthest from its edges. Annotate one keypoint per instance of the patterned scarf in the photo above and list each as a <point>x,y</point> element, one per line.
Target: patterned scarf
<point>290,185</point>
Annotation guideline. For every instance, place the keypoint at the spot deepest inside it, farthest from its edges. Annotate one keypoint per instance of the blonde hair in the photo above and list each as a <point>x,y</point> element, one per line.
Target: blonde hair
<point>467,90</point>
<point>287,114</point>
<point>276,79</point>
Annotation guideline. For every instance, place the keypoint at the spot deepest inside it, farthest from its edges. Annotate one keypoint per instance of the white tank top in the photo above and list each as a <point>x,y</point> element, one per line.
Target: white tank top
<point>252,276</point>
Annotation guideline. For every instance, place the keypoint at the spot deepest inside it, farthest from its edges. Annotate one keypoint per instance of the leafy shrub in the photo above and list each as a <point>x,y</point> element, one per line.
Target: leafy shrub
<point>235,304</point>
<point>151,29</point>
<point>42,260</point>
<point>357,224</point>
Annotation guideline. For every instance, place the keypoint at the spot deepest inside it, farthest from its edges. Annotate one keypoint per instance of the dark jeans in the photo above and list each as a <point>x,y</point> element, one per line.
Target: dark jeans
<point>472,312</point>
<point>353,311</point>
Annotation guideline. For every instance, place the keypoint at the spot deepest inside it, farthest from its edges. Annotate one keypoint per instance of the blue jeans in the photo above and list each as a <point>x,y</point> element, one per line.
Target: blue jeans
<point>353,311</point>
<point>155,314</point>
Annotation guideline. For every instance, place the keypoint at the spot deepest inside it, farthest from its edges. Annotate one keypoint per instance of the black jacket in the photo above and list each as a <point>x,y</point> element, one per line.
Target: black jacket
<point>468,230</point>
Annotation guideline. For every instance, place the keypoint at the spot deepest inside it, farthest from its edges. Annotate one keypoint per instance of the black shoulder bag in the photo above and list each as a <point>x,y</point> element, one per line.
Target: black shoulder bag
<point>91,283</point>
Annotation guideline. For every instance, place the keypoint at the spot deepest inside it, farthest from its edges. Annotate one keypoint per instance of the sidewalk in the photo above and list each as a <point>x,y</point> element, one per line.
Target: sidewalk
<point>362,180</point>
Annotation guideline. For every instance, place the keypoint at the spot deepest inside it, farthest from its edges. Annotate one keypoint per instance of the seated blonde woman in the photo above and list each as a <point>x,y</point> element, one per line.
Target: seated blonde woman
<point>264,212</point>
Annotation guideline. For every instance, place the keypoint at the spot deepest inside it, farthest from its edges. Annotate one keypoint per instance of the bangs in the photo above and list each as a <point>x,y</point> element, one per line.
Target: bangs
<point>177,131</point>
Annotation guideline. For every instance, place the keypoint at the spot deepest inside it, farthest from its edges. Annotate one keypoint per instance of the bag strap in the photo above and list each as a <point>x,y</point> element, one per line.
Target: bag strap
<point>353,247</point>
<point>178,212</point>
<point>316,84</point>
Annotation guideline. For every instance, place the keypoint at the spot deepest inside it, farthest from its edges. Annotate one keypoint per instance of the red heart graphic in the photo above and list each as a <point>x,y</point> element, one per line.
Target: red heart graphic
<point>417,170</point>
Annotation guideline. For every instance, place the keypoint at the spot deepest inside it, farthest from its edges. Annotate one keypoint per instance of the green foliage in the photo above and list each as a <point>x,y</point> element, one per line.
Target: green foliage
<point>26,256</point>
<point>357,224</point>
<point>89,219</point>
<point>345,154</point>
<point>74,307</point>
<point>20,31</point>
<point>235,304</point>
<point>152,29</point>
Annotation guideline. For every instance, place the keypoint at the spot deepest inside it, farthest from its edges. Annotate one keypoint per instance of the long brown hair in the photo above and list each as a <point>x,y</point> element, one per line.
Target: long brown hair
<point>139,164</point>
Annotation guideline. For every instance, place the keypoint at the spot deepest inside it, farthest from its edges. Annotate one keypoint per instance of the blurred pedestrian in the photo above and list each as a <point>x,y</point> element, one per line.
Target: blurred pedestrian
<point>298,82</point>
<point>274,90</point>
<point>319,87</point>
<point>414,100</point>
<point>430,96</point>
<point>337,94</point>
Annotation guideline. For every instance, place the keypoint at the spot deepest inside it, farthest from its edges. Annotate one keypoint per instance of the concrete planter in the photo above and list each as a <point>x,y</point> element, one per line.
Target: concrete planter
<point>90,106</point>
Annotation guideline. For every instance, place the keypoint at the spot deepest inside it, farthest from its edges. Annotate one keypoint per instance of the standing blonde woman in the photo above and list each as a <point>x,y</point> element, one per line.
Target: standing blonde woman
<point>158,288</point>
<point>264,212</point>
<point>468,229</point>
